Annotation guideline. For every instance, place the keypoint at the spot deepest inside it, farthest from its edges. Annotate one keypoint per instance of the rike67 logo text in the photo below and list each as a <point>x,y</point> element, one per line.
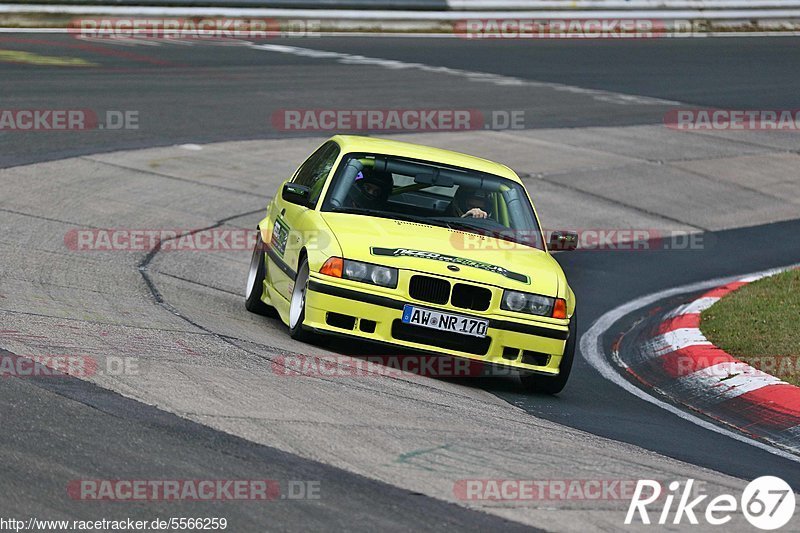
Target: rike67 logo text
<point>767,502</point>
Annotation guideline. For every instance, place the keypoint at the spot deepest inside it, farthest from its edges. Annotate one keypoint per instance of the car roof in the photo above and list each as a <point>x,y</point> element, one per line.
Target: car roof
<point>358,143</point>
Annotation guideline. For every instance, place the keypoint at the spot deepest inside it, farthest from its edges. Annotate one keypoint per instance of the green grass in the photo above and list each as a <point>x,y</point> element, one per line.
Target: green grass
<point>760,325</point>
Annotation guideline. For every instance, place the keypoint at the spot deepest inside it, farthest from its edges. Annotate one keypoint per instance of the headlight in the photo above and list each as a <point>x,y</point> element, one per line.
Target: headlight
<point>514,301</point>
<point>358,271</point>
<point>367,273</point>
<point>383,276</point>
<point>355,270</point>
<point>522,302</point>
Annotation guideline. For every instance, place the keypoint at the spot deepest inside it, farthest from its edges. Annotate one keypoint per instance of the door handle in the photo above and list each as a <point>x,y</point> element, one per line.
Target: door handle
<point>283,211</point>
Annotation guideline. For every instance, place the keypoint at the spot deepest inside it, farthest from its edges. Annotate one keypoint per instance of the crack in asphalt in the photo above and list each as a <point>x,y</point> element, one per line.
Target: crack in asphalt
<point>732,184</point>
<point>40,217</point>
<point>144,263</point>
<point>611,201</point>
<point>175,178</point>
<point>746,143</point>
<point>193,282</point>
<point>98,322</point>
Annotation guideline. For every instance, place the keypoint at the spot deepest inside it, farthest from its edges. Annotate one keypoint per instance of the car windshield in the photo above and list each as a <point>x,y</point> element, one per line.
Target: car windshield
<point>438,195</point>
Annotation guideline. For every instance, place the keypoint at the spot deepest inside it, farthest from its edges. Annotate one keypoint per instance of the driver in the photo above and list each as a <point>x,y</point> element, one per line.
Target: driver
<point>371,189</point>
<point>469,203</point>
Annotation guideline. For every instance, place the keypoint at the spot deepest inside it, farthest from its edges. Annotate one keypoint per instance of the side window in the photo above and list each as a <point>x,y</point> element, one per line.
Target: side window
<point>313,172</point>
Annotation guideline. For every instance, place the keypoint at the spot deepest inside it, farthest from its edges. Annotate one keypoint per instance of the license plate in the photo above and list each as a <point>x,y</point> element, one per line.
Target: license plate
<point>444,321</point>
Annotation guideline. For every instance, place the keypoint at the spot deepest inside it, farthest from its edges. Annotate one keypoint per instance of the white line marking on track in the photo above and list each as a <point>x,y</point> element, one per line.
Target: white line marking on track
<point>470,75</point>
<point>592,349</point>
<point>121,41</point>
<point>754,277</point>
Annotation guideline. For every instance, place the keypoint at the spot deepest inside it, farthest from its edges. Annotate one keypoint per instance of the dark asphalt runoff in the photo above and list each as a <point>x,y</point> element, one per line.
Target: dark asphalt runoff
<point>194,94</point>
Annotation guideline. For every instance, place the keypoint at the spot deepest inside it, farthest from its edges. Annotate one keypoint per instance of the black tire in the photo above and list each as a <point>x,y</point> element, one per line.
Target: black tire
<point>555,384</point>
<point>255,283</point>
<point>297,305</point>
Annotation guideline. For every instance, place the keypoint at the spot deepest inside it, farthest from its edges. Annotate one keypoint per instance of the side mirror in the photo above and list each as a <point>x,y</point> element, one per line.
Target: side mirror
<point>563,241</point>
<point>296,194</point>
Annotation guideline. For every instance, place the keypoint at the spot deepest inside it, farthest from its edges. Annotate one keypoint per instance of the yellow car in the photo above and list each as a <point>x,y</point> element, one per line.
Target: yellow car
<point>420,248</point>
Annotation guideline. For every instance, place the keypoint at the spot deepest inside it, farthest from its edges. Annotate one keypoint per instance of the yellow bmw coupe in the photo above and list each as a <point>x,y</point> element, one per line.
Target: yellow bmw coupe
<point>420,248</point>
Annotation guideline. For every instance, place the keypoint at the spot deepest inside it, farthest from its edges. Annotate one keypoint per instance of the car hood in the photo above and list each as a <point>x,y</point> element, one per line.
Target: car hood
<point>437,250</point>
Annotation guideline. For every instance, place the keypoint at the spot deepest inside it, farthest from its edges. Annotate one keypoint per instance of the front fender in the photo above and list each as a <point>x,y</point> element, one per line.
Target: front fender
<point>318,240</point>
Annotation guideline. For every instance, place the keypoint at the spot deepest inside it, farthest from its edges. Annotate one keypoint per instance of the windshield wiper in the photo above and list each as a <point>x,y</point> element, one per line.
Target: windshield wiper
<point>462,225</point>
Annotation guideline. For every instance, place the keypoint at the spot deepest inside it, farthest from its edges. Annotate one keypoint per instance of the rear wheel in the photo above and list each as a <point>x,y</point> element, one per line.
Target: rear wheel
<point>255,282</point>
<point>297,307</point>
<point>555,384</point>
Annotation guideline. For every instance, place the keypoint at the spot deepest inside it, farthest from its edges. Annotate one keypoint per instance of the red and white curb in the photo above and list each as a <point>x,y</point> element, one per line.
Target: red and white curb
<point>673,357</point>
<point>593,348</point>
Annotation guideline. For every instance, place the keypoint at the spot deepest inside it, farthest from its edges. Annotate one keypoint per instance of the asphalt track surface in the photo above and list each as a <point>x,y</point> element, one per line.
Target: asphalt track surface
<point>607,281</point>
<point>207,93</point>
<point>78,424</point>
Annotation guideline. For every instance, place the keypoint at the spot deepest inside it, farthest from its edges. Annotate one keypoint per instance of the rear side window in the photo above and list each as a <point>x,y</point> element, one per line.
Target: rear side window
<point>313,172</point>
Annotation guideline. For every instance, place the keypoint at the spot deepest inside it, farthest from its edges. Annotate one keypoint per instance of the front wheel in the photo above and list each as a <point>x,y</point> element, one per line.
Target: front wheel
<point>297,307</point>
<point>255,283</point>
<point>555,384</point>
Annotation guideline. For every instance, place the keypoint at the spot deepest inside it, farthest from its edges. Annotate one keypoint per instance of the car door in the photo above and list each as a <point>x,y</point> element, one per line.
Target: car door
<point>290,223</point>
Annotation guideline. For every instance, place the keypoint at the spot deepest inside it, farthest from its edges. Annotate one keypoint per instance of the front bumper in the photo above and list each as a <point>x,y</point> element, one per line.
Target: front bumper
<point>342,309</point>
